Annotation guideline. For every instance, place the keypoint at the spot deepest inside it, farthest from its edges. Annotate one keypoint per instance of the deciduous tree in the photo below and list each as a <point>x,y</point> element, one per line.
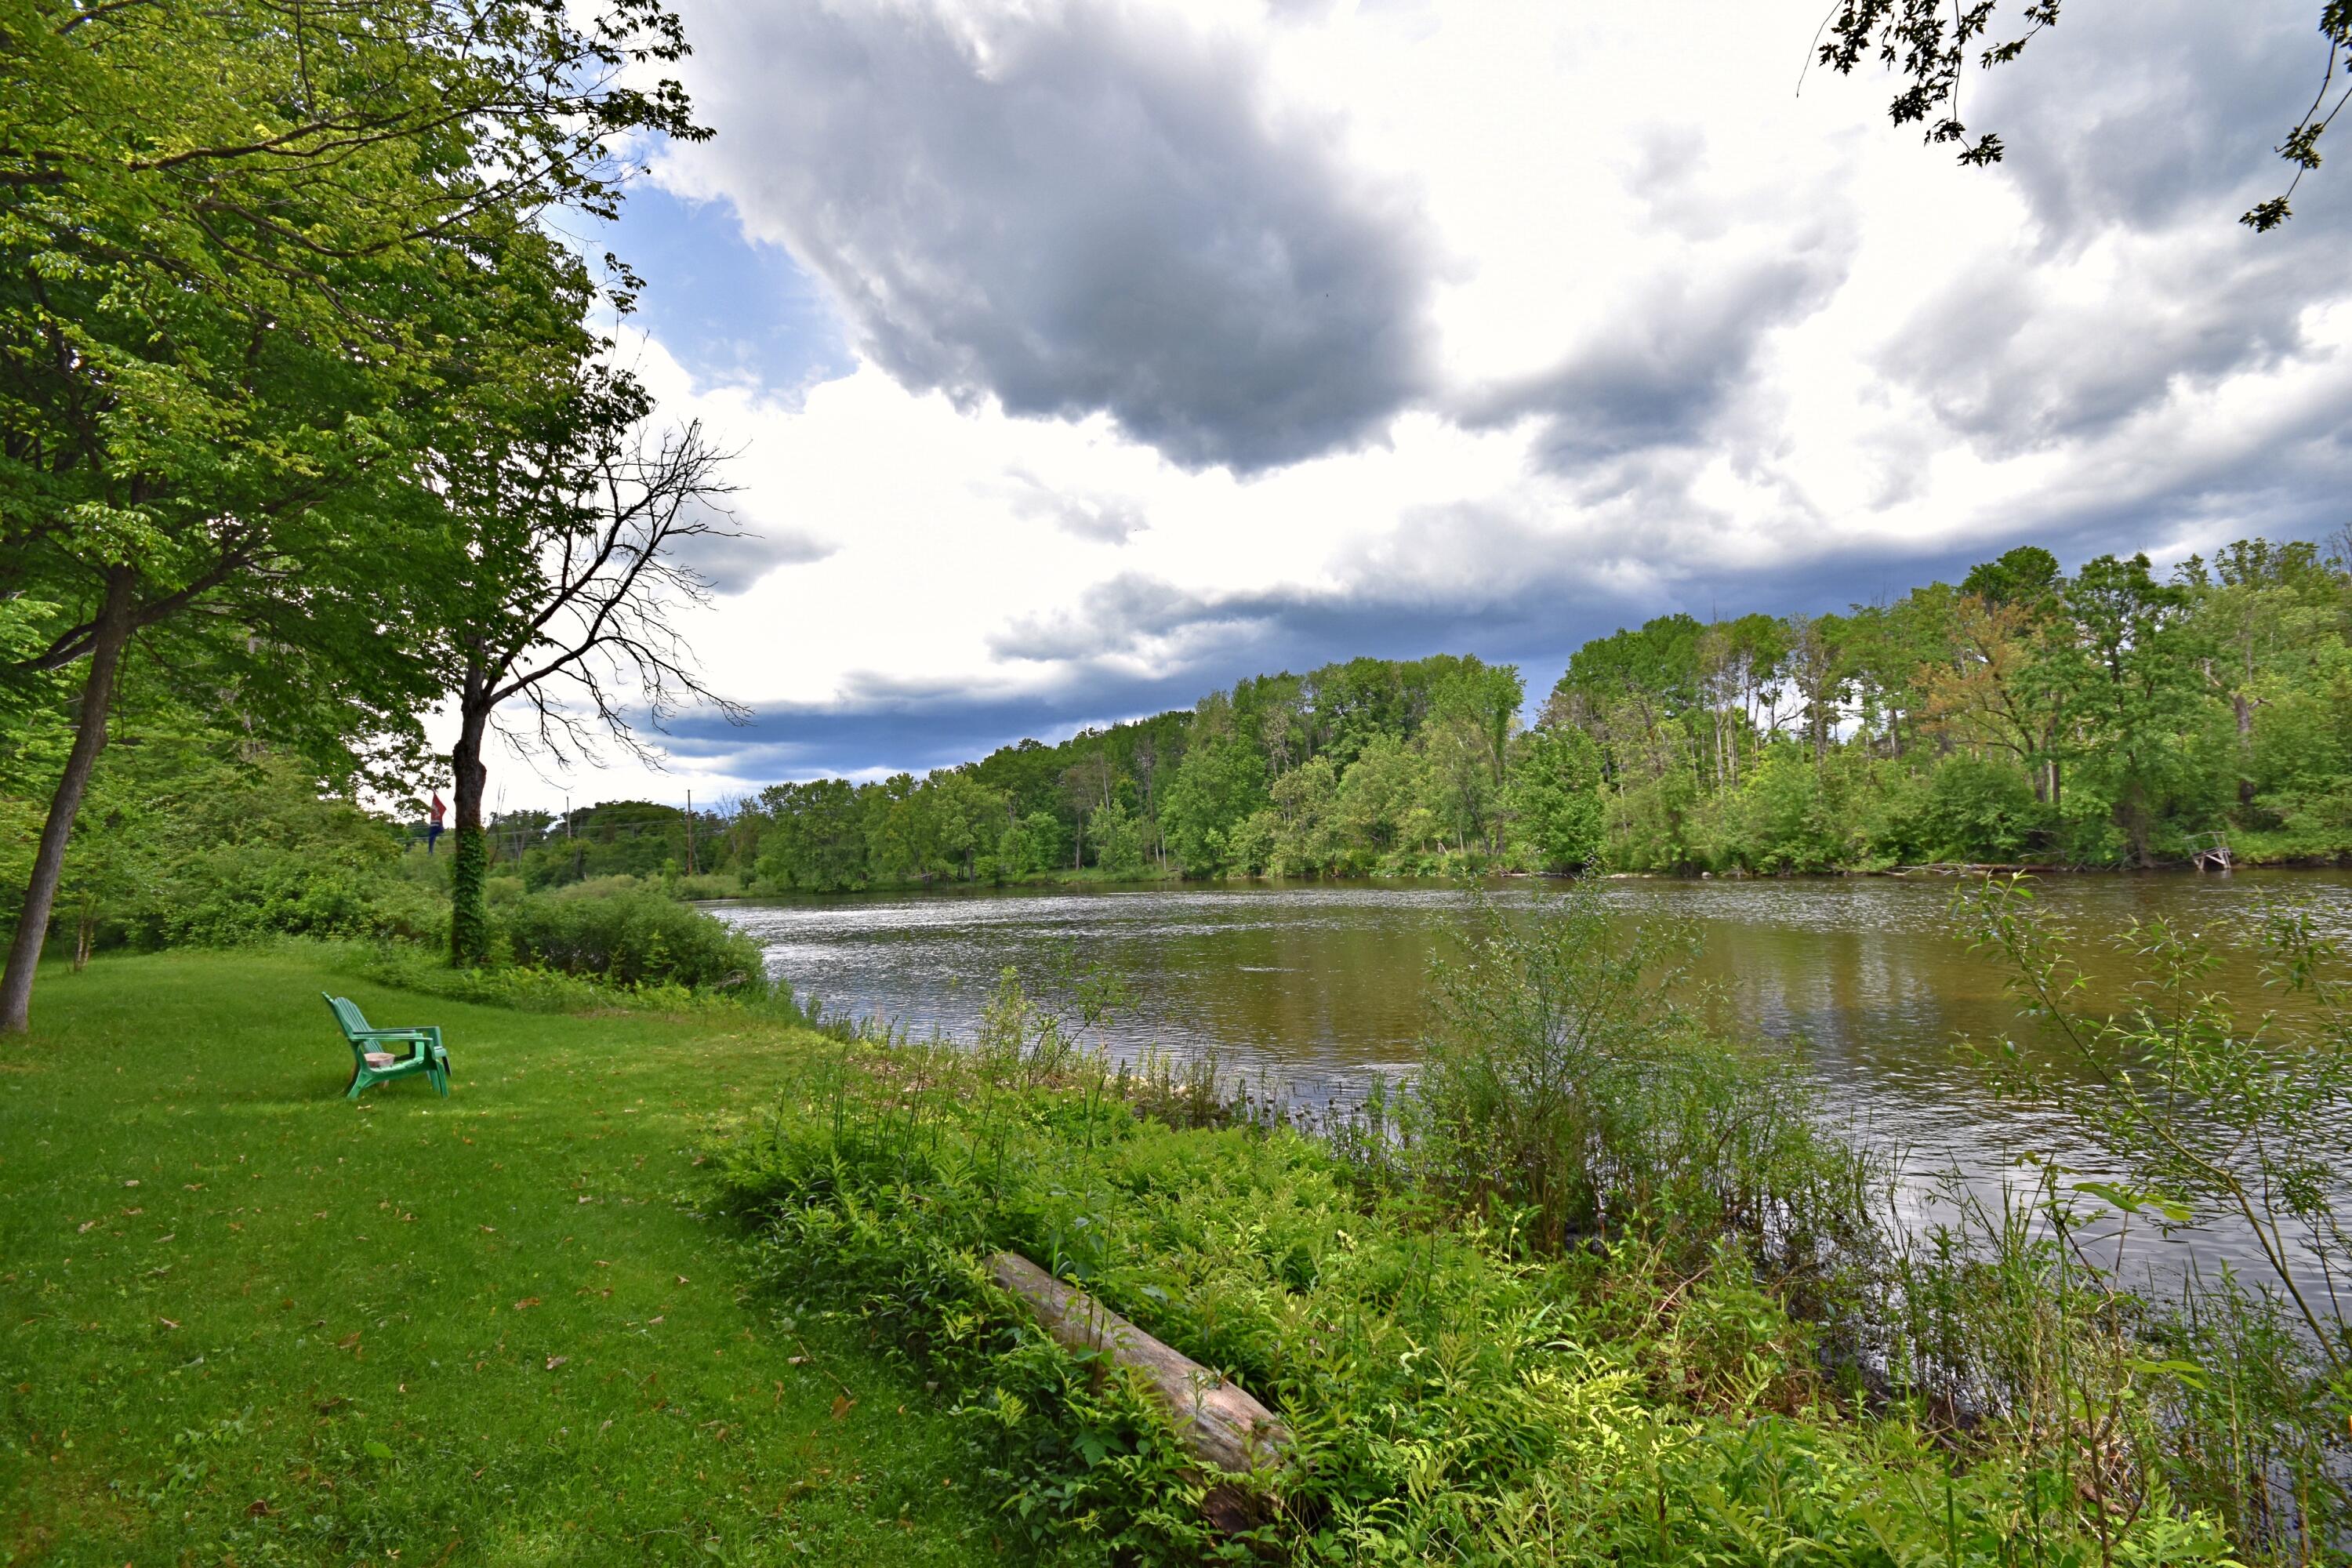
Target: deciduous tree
<point>569,607</point>
<point>252,256</point>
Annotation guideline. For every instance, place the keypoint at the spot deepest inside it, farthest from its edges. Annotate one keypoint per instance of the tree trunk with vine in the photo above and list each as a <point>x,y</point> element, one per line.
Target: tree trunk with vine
<point>469,914</point>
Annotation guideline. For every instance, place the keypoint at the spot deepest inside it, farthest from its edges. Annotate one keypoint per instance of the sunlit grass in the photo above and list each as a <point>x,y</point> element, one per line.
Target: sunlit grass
<point>242,1320</point>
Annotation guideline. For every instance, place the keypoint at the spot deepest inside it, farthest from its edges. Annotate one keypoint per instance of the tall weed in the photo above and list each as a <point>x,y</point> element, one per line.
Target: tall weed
<point>2236,1394</point>
<point>1566,1090</point>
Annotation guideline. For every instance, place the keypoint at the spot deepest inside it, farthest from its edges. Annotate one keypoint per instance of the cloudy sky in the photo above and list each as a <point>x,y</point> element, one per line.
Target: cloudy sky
<point>1082,357</point>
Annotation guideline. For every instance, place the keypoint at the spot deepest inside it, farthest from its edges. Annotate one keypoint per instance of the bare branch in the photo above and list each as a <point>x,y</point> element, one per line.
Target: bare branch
<point>592,645</point>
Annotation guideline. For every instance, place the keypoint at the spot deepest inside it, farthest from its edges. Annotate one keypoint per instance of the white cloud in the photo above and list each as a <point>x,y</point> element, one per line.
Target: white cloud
<point>1620,323</point>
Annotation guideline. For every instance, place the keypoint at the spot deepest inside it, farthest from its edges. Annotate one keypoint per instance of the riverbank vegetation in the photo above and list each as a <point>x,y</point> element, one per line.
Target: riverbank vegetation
<point>1599,1284</point>
<point>2106,719</point>
<point>194,838</point>
<point>1599,1287</point>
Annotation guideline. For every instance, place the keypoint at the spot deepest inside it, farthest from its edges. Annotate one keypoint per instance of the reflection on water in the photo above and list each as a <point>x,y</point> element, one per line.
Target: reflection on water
<point>1320,985</point>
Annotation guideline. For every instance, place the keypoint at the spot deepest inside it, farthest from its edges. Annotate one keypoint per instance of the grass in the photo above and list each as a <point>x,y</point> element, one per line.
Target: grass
<point>242,1320</point>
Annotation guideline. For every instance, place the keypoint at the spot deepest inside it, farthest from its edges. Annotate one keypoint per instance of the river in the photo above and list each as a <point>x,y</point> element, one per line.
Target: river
<point>1315,987</point>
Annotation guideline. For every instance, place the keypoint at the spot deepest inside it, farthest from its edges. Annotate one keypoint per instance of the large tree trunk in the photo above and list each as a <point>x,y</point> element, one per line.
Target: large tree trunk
<point>115,621</point>
<point>469,913</point>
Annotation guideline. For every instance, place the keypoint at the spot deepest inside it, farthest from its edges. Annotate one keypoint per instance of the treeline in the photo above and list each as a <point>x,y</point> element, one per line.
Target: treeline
<point>2107,718</point>
<point>1400,767</point>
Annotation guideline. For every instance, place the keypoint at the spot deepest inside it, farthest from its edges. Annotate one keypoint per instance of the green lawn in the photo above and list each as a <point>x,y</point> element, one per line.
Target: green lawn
<point>244,1321</point>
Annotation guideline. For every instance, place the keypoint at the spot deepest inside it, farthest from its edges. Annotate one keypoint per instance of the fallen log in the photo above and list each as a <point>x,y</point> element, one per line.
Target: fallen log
<point>1216,1418</point>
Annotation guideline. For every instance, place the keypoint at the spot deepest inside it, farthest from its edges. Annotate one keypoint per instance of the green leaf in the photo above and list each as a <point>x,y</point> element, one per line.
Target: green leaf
<point>2132,1200</point>
<point>2187,1372</point>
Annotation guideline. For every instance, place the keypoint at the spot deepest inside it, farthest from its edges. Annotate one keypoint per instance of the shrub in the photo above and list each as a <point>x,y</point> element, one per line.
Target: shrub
<point>1562,1079</point>
<point>1555,796</point>
<point>1977,810</point>
<point>630,936</point>
<point>604,887</point>
<point>709,885</point>
<point>1777,820</point>
<point>529,989</point>
<point>1462,1386</point>
<point>216,854</point>
<point>2195,1104</point>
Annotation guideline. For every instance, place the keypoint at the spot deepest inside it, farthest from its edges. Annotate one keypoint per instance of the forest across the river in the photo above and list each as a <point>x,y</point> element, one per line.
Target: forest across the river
<point>2113,717</point>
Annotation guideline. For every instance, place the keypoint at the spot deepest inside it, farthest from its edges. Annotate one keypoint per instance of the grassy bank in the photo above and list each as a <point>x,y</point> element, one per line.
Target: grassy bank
<point>242,1320</point>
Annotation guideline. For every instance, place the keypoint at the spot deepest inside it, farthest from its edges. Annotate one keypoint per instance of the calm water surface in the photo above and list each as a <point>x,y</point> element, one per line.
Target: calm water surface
<point>1320,987</point>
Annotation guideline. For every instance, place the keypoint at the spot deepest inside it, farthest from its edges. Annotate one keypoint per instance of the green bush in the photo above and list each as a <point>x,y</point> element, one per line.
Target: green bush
<point>1555,796</point>
<point>603,887</point>
<point>251,893</point>
<point>1777,819</point>
<point>185,849</point>
<point>529,989</point>
<point>1563,1085</point>
<point>1752,1365</point>
<point>709,885</point>
<point>1977,810</point>
<point>629,936</point>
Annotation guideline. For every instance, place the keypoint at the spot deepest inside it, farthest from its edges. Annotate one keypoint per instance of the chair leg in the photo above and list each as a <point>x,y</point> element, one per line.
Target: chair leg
<point>360,1081</point>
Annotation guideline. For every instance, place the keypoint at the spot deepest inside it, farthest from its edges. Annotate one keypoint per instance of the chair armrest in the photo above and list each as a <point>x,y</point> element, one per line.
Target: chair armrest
<point>423,1045</point>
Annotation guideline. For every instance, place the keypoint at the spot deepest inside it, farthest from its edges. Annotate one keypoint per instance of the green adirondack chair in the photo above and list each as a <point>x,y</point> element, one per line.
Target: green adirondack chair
<point>371,1064</point>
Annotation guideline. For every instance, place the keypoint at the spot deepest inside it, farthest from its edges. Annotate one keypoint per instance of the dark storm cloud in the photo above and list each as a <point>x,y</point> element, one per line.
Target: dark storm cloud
<point>2158,114</point>
<point>1120,615</point>
<point>1477,579</point>
<point>896,728</point>
<point>1513,586</point>
<point>2011,362</point>
<point>1095,212</point>
<point>893,726</point>
<point>1076,209</point>
<point>1665,364</point>
<point>1726,264</point>
<point>2288,479</point>
<point>1458,578</point>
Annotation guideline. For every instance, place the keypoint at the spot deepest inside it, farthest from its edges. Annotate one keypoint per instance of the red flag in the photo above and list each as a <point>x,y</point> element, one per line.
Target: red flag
<point>438,809</point>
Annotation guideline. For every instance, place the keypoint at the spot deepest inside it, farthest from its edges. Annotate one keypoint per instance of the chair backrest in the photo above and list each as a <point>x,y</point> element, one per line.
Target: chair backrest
<point>348,1016</point>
